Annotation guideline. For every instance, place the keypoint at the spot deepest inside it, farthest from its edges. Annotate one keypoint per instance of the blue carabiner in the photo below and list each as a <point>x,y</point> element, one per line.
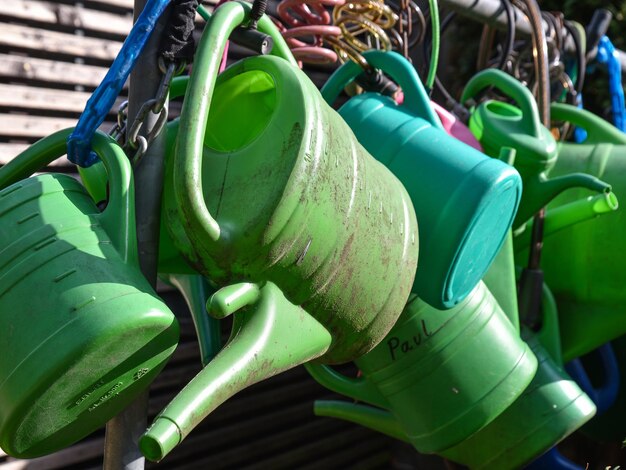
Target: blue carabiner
<point>79,142</point>
<point>609,56</point>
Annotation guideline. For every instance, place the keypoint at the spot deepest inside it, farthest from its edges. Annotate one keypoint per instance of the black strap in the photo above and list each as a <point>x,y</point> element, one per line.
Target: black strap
<point>177,44</point>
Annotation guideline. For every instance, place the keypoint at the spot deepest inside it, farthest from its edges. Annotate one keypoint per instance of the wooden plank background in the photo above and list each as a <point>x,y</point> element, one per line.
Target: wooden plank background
<point>52,55</point>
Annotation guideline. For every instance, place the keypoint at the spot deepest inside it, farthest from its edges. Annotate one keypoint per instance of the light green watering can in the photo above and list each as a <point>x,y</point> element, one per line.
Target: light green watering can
<point>442,375</point>
<point>273,197</point>
<point>498,125</point>
<point>83,333</point>
<point>583,263</point>
<point>465,202</point>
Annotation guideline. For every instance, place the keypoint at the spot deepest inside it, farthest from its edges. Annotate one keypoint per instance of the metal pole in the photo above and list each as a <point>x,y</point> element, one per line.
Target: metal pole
<point>121,450</point>
<point>492,13</point>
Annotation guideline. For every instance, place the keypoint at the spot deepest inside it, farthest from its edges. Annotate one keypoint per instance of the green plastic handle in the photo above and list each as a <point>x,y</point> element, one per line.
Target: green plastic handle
<point>178,87</point>
<point>598,130</point>
<point>195,290</point>
<point>512,88</point>
<point>195,112</point>
<point>118,219</point>
<point>373,418</point>
<point>357,388</point>
<point>416,99</point>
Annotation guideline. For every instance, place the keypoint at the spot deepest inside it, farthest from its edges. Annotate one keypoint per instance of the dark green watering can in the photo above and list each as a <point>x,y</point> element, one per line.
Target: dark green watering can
<point>583,263</point>
<point>497,125</point>
<point>443,375</point>
<point>83,333</point>
<point>465,202</point>
<point>271,196</point>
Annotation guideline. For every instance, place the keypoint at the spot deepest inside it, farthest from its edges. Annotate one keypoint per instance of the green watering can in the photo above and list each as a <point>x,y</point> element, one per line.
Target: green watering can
<point>272,197</point>
<point>443,375</point>
<point>74,357</point>
<point>464,201</point>
<point>497,125</point>
<point>550,409</point>
<point>583,263</point>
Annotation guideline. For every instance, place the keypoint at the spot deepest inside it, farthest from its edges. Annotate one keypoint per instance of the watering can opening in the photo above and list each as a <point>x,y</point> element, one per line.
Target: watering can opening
<point>241,110</point>
<point>504,110</point>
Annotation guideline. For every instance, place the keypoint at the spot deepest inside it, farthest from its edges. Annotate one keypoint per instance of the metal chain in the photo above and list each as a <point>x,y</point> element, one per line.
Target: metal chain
<point>140,143</point>
<point>118,131</point>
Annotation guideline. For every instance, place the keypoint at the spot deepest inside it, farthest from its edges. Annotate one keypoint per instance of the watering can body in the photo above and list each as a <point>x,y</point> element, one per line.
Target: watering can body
<point>464,201</point>
<point>550,409</point>
<point>582,263</point>
<point>444,375</point>
<point>301,204</point>
<point>312,243</point>
<point>83,331</point>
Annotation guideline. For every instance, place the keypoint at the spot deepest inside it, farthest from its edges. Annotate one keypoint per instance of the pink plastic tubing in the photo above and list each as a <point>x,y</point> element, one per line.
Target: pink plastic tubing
<point>308,19</point>
<point>456,128</point>
<point>225,55</point>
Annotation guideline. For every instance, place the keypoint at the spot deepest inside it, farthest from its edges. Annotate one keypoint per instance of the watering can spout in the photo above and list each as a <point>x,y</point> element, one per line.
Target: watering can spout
<point>570,214</point>
<point>270,335</point>
<point>540,191</point>
<point>368,416</point>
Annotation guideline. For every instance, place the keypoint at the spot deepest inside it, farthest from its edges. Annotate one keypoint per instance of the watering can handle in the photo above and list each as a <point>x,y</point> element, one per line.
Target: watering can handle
<point>379,420</point>
<point>397,67</point>
<point>598,130</point>
<point>510,87</point>
<point>357,388</point>
<point>118,219</point>
<point>195,113</point>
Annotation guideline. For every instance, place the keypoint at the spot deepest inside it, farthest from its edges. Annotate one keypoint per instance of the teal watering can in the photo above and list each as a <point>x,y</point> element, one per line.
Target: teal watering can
<point>271,196</point>
<point>583,262</point>
<point>439,375</point>
<point>83,333</point>
<point>465,202</point>
<point>497,125</point>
